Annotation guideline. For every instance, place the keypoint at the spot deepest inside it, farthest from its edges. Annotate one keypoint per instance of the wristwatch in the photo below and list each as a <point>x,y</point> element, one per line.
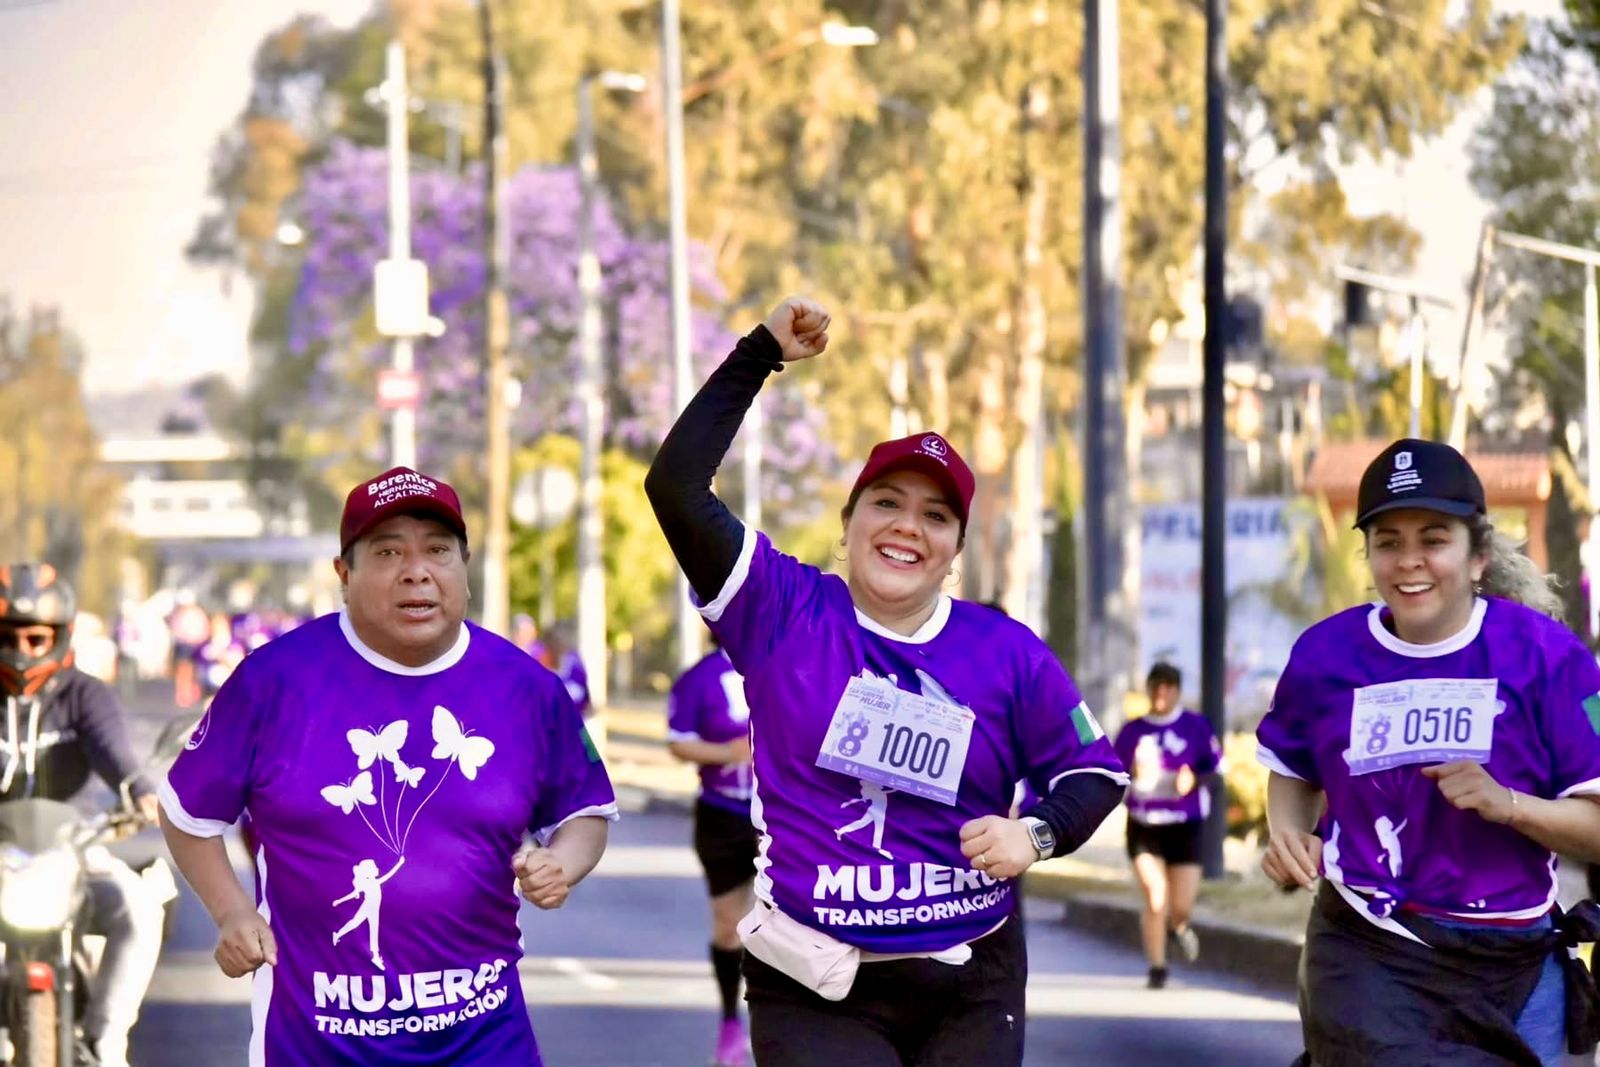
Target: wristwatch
<point>1044,838</point>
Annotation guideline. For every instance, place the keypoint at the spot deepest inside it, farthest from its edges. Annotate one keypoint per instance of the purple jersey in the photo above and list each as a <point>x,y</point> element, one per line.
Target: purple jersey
<point>388,802</point>
<point>1155,750</point>
<point>874,865</point>
<point>707,704</point>
<point>1358,712</point>
<point>575,677</point>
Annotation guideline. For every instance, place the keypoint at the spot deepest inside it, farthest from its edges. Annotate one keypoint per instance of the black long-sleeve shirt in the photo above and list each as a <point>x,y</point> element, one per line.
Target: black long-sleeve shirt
<point>80,730</point>
<point>706,538</point>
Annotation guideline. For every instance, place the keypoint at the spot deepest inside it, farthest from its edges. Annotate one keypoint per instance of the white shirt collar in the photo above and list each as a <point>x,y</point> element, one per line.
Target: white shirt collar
<point>1454,643</point>
<point>925,633</point>
<point>449,659</point>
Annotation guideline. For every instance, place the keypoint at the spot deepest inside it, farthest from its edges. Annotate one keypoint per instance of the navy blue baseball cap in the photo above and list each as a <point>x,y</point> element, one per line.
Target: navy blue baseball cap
<point>1419,474</point>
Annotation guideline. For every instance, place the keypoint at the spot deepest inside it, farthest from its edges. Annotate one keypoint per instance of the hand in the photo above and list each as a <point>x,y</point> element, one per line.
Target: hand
<point>244,943</point>
<point>540,877</point>
<point>149,808</point>
<point>738,751</point>
<point>800,327</point>
<point>1469,787</point>
<point>1186,781</point>
<point>998,846</point>
<point>1294,858</point>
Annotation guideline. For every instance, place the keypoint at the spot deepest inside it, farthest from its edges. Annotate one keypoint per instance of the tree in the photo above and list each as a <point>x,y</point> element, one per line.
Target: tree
<point>56,499</point>
<point>1535,158</point>
<point>929,187</point>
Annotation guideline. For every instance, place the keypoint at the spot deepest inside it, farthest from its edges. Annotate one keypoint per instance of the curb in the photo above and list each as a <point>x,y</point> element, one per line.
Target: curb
<point>1259,954</point>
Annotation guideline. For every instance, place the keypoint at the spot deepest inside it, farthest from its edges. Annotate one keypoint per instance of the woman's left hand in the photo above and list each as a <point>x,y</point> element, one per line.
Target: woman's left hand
<point>998,846</point>
<point>1470,787</point>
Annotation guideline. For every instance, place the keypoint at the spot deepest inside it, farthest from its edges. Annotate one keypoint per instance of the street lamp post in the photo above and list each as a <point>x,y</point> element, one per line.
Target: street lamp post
<point>400,282</point>
<point>1414,334</point>
<point>591,397</point>
<point>678,272</point>
<point>497,335</point>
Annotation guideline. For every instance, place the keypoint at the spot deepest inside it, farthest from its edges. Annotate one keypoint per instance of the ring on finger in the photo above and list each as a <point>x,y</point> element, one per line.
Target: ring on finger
<point>983,859</point>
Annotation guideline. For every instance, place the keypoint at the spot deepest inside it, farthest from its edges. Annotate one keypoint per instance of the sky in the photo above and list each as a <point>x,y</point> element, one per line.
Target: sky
<point>113,108</point>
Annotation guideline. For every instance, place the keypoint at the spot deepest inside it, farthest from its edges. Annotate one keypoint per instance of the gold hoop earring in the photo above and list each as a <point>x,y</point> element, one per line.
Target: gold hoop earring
<point>838,558</point>
<point>953,571</point>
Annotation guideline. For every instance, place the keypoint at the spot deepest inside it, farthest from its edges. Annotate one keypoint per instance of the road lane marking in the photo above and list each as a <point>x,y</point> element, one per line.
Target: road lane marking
<point>566,981</point>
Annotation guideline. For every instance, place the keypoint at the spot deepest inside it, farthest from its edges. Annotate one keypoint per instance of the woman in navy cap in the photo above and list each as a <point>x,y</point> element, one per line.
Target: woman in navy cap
<point>888,724</point>
<point>1448,735</point>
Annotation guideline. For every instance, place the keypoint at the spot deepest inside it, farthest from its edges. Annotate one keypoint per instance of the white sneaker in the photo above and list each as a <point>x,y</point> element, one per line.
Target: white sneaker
<point>1188,943</point>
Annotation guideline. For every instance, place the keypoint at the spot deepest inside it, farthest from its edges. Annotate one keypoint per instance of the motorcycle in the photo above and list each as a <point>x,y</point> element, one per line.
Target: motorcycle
<point>47,961</point>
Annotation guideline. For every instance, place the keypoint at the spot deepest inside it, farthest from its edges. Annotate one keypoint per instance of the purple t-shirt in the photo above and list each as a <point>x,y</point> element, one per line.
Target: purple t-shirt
<point>1388,832</point>
<point>575,677</point>
<point>388,802</point>
<point>1155,749</point>
<point>875,866</point>
<point>707,704</point>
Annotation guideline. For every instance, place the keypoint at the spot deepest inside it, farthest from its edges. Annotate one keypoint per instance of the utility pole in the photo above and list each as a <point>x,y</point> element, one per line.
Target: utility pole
<point>399,283</point>
<point>497,332</point>
<point>1107,634</point>
<point>678,240</point>
<point>1480,279</point>
<point>403,422</point>
<point>1214,444</point>
<point>591,568</point>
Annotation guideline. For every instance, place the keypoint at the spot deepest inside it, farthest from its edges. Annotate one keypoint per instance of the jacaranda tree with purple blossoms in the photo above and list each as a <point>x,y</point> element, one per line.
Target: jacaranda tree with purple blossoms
<point>344,213</point>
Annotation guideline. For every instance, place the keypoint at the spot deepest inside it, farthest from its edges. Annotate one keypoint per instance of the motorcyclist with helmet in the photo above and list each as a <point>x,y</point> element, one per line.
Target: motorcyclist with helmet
<point>57,725</point>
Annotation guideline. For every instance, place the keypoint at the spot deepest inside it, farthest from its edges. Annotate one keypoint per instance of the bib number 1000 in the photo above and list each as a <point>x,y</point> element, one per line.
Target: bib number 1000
<point>1433,725</point>
<point>914,750</point>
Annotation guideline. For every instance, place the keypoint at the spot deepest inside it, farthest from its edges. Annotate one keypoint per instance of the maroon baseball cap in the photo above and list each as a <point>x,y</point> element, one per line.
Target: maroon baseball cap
<point>925,452</point>
<point>398,491</point>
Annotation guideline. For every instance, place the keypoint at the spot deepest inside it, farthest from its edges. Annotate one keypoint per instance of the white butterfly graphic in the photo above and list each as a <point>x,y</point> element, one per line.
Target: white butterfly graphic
<point>409,775</point>
<point>385,744</point>
<point>346,797</point>
<point>451,743</point>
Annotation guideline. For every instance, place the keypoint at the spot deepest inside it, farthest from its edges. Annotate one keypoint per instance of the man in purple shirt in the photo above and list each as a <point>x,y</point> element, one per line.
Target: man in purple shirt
<point>709,724</point>
<point>1169,753</point>
<point>393,760</point>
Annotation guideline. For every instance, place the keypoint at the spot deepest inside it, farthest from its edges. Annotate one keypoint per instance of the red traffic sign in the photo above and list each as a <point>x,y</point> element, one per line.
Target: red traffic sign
<point>398,389</point>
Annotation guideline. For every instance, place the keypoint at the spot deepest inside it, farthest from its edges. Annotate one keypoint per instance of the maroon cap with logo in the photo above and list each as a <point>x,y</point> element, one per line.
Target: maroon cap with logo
<point>928,453</point>
<point>399,491</point>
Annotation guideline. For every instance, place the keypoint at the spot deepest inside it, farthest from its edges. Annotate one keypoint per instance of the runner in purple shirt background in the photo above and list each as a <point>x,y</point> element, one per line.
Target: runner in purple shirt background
<point>1170,755</point>
<point>708,723</point>
<point>393,760</point>
<point>889,723</point>
<point>1451,732</point>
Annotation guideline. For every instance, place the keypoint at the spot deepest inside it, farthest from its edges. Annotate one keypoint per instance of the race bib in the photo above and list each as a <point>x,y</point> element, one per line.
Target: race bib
<point>880,733</point>
<point>1428,720</point>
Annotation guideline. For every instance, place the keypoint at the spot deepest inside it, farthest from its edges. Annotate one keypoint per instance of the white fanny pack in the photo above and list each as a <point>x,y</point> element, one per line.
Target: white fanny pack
<point>825,965</point>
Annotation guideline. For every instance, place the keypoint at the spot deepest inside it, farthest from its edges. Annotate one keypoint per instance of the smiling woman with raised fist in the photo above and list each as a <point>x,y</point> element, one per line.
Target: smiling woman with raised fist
<point>888,724</point>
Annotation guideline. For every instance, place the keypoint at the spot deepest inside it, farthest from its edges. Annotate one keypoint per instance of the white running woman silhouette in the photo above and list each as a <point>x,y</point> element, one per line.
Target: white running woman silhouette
<point>876,798</point>
<point>366,885</point>
<point>1389,837</point>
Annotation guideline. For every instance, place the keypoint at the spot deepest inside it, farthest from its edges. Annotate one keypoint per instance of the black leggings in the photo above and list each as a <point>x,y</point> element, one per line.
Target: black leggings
<point>900,1013</point>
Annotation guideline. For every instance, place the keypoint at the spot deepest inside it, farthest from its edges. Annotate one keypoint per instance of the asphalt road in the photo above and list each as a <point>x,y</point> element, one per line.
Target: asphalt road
<point>620,978</point>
